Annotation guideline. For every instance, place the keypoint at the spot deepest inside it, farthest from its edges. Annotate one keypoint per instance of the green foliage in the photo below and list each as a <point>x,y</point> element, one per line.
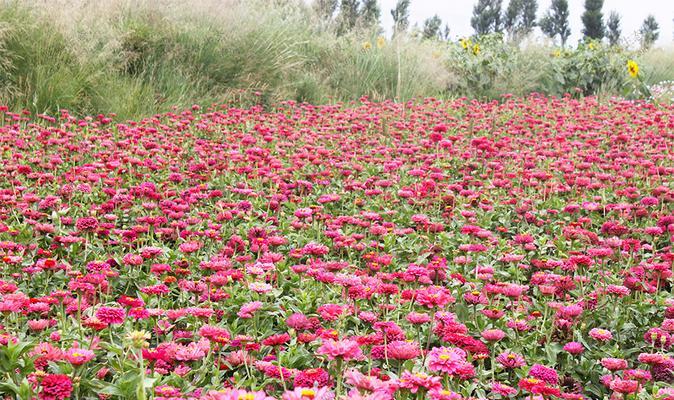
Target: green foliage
<point>14,363</point>
<point>592,68</point>
<point>489,67</point>
<point>593,22</point>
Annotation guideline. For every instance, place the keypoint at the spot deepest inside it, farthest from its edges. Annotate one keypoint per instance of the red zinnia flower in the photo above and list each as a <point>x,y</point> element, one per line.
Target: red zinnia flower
<point>56,387</point>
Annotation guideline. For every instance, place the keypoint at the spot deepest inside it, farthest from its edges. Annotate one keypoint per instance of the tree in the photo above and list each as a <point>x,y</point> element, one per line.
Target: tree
<point>445,33</point>
<point>486,17</point>
<point>348,16</point>
<point>649,31</point>
<point>593,19</point>
<point>325,8</point>
<point>613,28</point>
<point>431,28</point>
<point>520,17</point>
<point>556,21</point>
<point>370,13</point>
<point>401,16</point>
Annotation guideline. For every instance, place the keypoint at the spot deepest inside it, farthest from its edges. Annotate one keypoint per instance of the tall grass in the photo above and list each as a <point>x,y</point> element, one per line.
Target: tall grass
<point>139,57</point>
<point>657,64</point>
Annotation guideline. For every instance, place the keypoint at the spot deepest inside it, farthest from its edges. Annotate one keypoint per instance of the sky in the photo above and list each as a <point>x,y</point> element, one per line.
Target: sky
<point>457,13</point>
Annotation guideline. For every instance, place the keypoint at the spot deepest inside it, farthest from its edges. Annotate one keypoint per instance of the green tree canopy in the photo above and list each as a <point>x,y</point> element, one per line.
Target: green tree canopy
<point>555,22</point>
<point>593,20</point>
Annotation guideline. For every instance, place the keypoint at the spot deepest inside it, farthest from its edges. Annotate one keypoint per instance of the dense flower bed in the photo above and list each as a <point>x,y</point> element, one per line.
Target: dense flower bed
<point>442,250</point>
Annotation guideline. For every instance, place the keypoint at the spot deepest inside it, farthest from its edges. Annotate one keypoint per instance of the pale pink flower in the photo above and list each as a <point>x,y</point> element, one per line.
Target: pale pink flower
<point>309,393</point>
<point>248,309</point>
<point>343,349</point>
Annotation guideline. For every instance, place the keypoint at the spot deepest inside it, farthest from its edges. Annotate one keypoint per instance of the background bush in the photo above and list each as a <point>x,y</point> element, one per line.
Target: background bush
<point>142,57</point>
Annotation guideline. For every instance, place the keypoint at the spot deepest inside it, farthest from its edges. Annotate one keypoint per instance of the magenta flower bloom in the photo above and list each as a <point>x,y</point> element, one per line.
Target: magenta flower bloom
<point>418,318</point>
<point>235,394</point>
<point>343,349</point>
<point>77,356</point>
<point>301,393</point>
<point>614,364</point>
<point>510,360</point>
<point>502,389</point>
<point>574,348</point>
<point>247,310</point>
<point>110,315</point>
<point>396,350</point>
<point>447,360</point>
<point>546,374</point>
<point>601,335</point>
<point>624,386</point>
<point>493,335</point>
<point>419,380</point>
<point>56,387</point>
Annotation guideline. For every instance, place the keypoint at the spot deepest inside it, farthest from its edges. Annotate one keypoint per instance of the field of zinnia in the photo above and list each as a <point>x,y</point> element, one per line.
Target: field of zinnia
<point>425,250</point>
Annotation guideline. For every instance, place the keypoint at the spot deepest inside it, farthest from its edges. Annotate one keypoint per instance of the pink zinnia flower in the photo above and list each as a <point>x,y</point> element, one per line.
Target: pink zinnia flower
<point>312,377</point>
<point>248,309</point>
<point>574,348</point>
<point>260,287</point>
<point>354,394</point>
<point>362,381</point>
<point>110,315</point>
<point>624,386</point>
<point>503,390</point>
<point>396,350</point>
<point>77,356</point>
<point>446,359</point>
<point>55,387</point>
<point>343,349</point>
<point>418,318</point>
<point>415,381</point>
<point>301,393</point>
<point>546,374</point>
<point>434,296</point>
<point>601,335</point>
<point>86,224</point>
<point>298,322</point>
<point>442,394</point>
<point>235,394</point>
<point>493,335</point>
<point>331,312</point>
<point>510,360</point>
<point>614,364</point>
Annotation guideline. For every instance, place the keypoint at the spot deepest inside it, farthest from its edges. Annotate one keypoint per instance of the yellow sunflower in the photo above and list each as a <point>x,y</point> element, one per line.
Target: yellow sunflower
<point>633,68</point>
<point>464,43</point>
